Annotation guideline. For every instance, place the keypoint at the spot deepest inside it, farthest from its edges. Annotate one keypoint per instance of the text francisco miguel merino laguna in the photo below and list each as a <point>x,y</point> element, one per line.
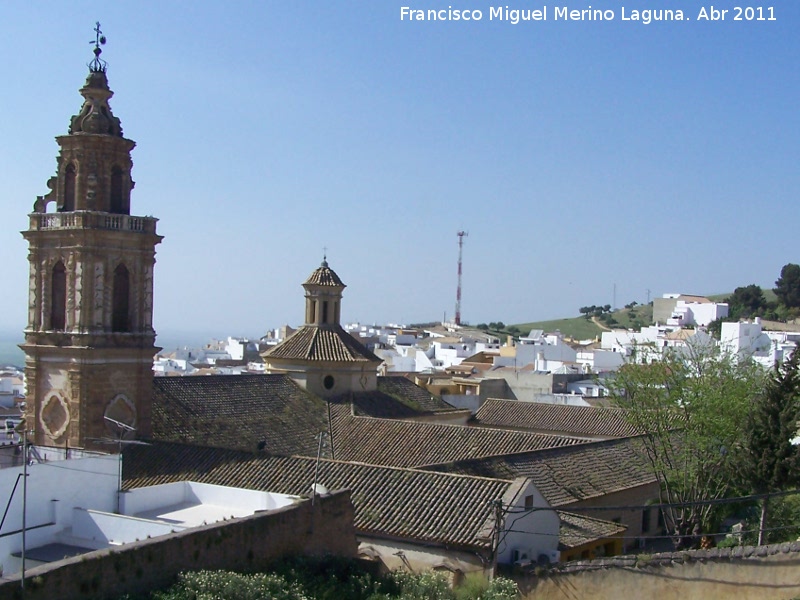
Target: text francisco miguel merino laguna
<point>565,13</point>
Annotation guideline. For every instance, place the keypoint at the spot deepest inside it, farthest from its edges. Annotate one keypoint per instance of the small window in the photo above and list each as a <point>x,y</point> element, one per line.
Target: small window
<point>646,520</point>
<point>324,311</point>
<point>529,502</point>
<point>69,188</point>
<point>117,200</point>
<point>328,382</point>
<point>120,300</point>
<point>58,298</point>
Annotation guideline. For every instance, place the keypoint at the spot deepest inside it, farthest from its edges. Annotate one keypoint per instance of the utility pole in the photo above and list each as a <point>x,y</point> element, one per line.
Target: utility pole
<point>314,488</point>
<point>461,235</point>
<point>24,503</point>
<point>498,528</point>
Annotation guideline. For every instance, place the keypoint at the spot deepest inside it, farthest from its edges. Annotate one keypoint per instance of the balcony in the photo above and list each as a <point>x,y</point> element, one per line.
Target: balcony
<point>83,219</point>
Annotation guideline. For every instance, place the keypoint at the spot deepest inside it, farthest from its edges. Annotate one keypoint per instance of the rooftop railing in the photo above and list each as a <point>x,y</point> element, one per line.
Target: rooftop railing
<point>92,220</point>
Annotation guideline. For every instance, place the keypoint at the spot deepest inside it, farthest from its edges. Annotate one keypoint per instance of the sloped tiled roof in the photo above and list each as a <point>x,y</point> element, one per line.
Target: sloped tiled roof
<point>411,393</point>
<point>324,275</point>
<point>238,412</point>
<point>430,507</point>
<point>577,420</point>
<point>569,474</point>
<point>413,443</point>
<point>577,530</point>
<point>382,405</point>
<point>322,343</point>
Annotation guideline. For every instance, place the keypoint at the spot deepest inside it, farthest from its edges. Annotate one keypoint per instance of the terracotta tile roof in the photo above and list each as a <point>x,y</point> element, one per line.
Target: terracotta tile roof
<point>415,444</point>
<point>323,343</point>
<point>575,420</point>
<point>437,508</point>
<point>324,275</point>
<point>577,530</point>
<point>384,406</point>
<point>569,474</point>
<point>411,393</point>
<point>238,411</point>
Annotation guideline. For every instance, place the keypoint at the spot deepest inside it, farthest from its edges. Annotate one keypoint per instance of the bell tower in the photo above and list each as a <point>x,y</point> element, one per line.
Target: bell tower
<point>89,341</point>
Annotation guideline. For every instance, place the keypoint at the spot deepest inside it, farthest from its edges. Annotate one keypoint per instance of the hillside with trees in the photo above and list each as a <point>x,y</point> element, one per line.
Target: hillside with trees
<point>782,303</point>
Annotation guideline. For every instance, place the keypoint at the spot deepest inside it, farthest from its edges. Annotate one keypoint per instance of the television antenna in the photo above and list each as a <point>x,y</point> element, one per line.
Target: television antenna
<point>123,429</point>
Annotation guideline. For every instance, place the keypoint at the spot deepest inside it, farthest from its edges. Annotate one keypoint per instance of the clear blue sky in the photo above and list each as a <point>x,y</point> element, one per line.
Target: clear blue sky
<point>577,154</point>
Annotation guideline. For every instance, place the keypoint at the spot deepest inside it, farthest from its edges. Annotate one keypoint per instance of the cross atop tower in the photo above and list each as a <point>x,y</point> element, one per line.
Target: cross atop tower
<point>98,65</point>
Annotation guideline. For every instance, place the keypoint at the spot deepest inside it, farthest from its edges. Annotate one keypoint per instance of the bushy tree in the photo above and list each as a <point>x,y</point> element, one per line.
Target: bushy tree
<point>330,578</point>
<point>747,301</point>
<point>769,462</point>
<point>787,287</point>
<point>690,406</point>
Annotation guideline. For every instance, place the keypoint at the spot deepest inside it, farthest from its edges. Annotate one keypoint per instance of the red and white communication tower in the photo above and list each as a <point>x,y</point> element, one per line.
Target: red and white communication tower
<point>461,235</point>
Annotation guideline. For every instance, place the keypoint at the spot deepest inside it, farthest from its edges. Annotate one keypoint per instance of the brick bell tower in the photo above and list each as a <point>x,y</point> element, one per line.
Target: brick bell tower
<point>89,342</point>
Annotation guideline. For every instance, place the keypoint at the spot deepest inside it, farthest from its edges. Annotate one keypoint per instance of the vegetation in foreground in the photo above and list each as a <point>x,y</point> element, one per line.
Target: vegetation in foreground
<point>717,428</point>
<point>330,578</point>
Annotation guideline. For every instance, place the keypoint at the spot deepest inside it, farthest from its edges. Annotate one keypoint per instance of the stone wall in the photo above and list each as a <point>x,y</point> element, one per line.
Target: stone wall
<point>247,544</point>
<point>744,573</point>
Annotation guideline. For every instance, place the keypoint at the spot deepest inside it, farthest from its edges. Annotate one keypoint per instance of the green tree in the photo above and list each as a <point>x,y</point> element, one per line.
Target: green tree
<point>483,326</point>
<point>769,461</point>
<point>690,406</point>
<point>787,287</point>
<point>747,301</point>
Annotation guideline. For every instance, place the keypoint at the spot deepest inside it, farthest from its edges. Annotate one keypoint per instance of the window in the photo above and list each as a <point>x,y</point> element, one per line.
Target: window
<point>328,382</point>
<point>69,188</point>
<point>58,298</point>
<point>120,300</point>
<point>645,520</point>
<point>324,311</point>
<point>117,201</point>
<point>529,502</point>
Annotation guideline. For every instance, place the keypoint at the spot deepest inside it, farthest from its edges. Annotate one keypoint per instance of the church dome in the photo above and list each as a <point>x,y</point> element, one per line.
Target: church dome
<point>324,275</point>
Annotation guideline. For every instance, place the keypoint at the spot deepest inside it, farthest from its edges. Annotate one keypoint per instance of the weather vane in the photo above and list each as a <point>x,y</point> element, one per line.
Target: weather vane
<point>98,64</point>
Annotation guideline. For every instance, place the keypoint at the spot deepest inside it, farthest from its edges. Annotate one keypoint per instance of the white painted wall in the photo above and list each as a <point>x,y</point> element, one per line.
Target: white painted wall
<point>600,360</point>
<point>55,489</point>
<point>531,532</point>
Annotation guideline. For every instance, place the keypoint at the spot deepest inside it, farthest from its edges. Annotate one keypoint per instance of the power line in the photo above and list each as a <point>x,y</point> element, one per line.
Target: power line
<point>632,507</point>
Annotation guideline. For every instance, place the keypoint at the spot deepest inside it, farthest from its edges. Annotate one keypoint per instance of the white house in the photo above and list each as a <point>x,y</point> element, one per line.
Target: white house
<point>748,339</point>
<point>544,352</point>
<point>696,313</point>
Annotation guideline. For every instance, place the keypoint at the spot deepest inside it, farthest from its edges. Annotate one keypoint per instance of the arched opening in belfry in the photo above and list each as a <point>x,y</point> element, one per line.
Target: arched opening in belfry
<point>117,197</point>
<point>58,297</point>
<point>120,320</point>
<point>69,188</point>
